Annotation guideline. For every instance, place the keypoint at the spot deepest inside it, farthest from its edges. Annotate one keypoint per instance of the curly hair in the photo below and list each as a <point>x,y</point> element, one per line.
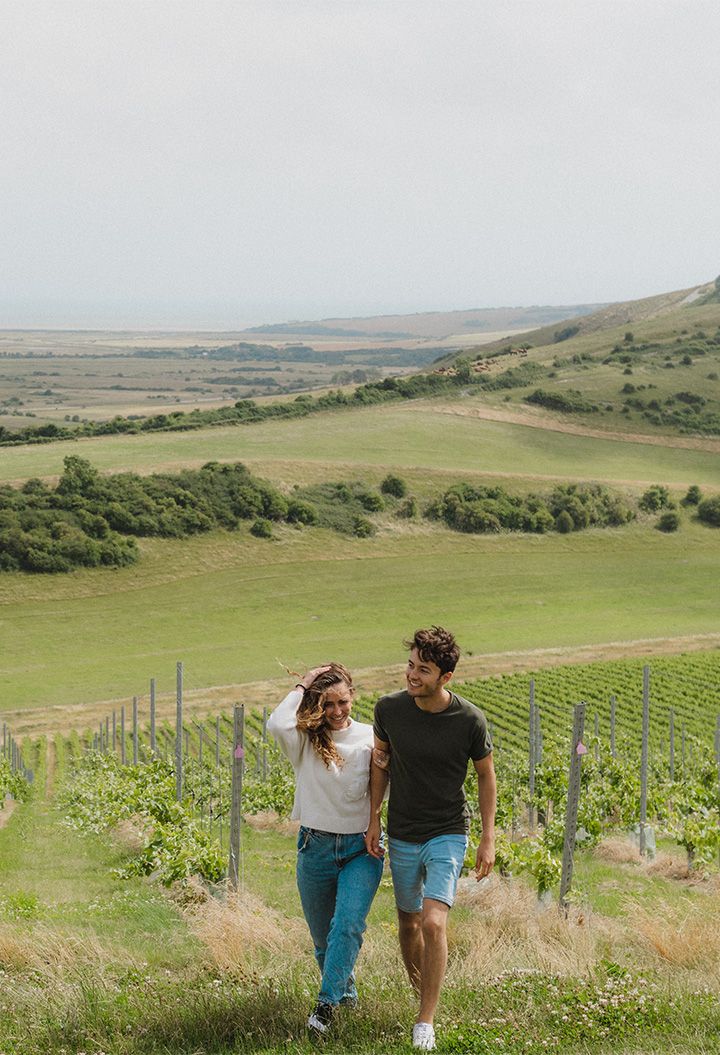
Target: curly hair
<point>311,713</point>
<point>436,645</point>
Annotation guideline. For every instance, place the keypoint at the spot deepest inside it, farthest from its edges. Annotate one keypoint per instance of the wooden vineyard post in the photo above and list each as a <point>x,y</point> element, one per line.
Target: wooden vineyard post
<point>114,732</point>
<point>596,728</point>
<point>123,759</point>
<point>236,807</point>
<point>217,740</point>
<point>672,744</point>
<point>179,732</point>
<point>135,730</point>
<point>612,726</point>
<point>153,734</point>
<point>531,758</point>
<point>107,733</point>
<point>682,748</point>
<point>577,750</point>
<point>644,757</point>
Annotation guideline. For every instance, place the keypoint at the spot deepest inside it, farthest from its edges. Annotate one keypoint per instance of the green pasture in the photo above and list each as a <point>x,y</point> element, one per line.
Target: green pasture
<point>435,436</point>
<point>229,605</point>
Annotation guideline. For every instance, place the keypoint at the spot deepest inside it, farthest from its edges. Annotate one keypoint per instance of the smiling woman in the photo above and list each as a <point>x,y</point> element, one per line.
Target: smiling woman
<point>336,877</point>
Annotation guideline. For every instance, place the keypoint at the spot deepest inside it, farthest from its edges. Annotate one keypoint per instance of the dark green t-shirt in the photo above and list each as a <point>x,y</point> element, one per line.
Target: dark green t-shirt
<point>430,755</point>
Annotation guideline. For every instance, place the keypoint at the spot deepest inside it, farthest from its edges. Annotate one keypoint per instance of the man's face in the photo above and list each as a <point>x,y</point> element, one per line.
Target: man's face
<point>423,677</point>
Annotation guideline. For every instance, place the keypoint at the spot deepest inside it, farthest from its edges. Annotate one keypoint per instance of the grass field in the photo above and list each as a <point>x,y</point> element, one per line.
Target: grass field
<point>400,437</point>
<point>228,605</point>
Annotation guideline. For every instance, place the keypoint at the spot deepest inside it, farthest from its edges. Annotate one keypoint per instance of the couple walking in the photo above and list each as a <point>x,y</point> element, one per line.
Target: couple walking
<point>421,741</point>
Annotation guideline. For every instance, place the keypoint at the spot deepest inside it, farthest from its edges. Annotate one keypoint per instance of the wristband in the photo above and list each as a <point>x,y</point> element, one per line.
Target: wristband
<point>299,685</point>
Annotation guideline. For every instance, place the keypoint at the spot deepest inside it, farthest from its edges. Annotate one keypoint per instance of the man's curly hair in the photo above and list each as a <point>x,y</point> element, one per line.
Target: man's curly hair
<point>437,646</point>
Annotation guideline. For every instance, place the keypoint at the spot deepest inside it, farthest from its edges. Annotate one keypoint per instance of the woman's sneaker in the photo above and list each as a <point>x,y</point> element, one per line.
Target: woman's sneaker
<point>423,1036</point>
<point>320,1020</point>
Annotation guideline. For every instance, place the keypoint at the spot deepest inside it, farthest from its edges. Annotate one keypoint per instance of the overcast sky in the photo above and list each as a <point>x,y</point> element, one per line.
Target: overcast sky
<point>191,163</point>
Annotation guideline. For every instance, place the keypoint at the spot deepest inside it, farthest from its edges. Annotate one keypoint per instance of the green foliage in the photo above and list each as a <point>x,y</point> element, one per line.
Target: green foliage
<point>709,511</point>
<point>362,527</point>
<point>655,498</point>
<point>469,508</point>
<point>409,509</point>
<point>261,528</point>
<point>569,401</point>
<point>564,522</point>
<point>14,784</point>
<point>693,496</point>
<point>394,486</point>
<point>566,333</point>
<point>102,792</point>
<point>669,521</point>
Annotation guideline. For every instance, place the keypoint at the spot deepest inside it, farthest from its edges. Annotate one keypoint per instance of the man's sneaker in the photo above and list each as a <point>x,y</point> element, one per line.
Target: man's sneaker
<point>424,1036</point>
<point>320,1020</point>
<point>350,1003</point>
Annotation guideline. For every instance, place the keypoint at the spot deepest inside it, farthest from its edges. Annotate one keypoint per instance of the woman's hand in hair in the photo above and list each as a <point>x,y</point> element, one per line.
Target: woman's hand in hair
<point>308,678</point>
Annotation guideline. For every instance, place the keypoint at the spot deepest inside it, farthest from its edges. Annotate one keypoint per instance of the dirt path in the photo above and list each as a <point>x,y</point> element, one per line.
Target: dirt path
<point>48,720</point>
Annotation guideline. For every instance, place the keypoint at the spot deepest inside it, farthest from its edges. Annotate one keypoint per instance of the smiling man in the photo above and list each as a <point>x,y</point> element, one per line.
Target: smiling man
<point>426,735</point>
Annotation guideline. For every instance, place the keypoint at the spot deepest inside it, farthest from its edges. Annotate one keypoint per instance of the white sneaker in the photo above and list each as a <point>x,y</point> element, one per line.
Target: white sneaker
<point>424,1036</point>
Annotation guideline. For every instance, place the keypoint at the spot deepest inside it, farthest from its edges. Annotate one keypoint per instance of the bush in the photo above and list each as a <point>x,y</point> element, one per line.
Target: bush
<point>261,528</point>
<point>409,509</point>
<point>564,522</point>
<point>669,521</point>
<point>371,501</point>
<point>709,511</point>
<point>394,485</point>
<point>693,496</point>
<point>655,498</point>
<point>362,528</point>
<point>300,512</point>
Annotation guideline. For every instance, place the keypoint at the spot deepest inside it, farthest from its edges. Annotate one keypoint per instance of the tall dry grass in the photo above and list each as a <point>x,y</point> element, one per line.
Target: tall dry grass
<point>243,935</point>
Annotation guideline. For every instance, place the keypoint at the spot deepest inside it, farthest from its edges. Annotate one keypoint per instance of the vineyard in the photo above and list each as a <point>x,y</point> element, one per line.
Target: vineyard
<point>176,782</point>
<point>199,808</point>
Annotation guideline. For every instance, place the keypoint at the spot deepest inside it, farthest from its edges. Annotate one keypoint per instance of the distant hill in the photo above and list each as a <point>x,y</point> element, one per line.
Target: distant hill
<point>649,365</point>
<point>610,316</point>
<point>433,324</point>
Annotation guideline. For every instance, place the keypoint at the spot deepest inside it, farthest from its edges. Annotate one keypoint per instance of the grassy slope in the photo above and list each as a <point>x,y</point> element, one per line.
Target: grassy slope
<point>603,383</point>
<point>229,605</point>
<point>401,437</point>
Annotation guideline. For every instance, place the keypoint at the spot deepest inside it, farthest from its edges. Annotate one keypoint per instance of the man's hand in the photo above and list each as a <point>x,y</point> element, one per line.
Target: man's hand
<point>372,838</point>
<point>485,857</point>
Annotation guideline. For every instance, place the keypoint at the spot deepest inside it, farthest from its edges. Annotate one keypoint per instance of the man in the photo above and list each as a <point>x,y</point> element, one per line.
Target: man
<point>426,735</point>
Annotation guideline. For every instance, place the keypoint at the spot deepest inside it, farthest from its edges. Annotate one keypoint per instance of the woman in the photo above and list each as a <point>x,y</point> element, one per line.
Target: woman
<point>336,877</point>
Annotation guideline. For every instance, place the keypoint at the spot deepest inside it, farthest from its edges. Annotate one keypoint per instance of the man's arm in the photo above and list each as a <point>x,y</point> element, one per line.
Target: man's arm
<point>487,801</point>
<point>378,783</point>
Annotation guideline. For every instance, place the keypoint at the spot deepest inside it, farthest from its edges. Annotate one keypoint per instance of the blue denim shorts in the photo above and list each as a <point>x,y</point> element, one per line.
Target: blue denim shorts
<point>430,869</point>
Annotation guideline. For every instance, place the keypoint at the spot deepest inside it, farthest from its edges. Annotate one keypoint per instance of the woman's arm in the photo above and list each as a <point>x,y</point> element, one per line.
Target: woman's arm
<point>282,723</point>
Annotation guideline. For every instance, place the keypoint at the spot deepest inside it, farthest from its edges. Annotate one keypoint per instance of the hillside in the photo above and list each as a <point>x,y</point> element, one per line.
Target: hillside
<point>642,367</point>
<point>436,324</point>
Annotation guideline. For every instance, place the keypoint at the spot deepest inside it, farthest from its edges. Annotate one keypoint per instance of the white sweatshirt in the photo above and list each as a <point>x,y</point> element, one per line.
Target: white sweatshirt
<point>335,799</point>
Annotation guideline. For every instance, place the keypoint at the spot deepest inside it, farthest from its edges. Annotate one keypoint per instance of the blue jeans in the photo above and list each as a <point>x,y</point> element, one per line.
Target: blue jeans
<point>337,880</point>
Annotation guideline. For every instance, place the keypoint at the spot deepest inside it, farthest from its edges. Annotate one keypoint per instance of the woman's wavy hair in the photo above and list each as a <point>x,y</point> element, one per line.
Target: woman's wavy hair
<point>311,713</point>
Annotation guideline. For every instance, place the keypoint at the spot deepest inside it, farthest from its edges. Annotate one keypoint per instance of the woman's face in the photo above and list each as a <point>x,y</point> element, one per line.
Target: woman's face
<point>338,704</point>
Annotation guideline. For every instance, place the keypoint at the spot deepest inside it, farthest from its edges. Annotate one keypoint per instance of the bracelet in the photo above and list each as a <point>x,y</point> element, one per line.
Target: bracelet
<point>299,685</point>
